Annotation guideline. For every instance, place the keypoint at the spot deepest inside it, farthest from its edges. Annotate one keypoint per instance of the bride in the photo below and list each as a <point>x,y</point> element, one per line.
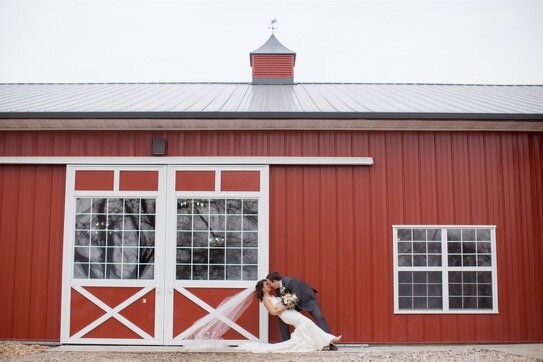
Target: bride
<point>307,336</point>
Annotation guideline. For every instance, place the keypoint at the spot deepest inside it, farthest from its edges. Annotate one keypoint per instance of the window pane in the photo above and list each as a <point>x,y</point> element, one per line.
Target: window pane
<point>250,256</point>
<point>83,206</point>
<point>249,272</point>
<point>468,234</point>
<point>483,234</point>
<point>405,248</point>
<point>184,206</point>
<point>404,235</point>
<point>233,272</point>
<point>454,235</point>
<point>250,206</point>
<point>419,234</point>
<point>216,272</point>
<point>115,206</point>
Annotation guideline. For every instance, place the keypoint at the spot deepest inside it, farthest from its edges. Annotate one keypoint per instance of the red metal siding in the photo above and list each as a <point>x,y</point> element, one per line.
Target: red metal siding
<point>328,225</point>
<point>31,229</point>
<point>273,66</point>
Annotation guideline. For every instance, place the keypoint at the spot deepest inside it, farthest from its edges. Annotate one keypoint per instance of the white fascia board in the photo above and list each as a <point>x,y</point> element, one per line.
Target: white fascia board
<point>242,160</point>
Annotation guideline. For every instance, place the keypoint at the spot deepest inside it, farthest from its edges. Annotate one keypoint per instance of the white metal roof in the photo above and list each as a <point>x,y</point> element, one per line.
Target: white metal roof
<point>243,100</point>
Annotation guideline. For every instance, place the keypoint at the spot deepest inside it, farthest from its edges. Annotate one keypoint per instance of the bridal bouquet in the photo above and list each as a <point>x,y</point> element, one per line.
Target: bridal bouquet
<point>288,299</point>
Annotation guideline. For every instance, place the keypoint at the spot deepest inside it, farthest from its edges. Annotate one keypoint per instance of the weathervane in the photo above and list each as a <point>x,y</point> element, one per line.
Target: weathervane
<point>272,25</point>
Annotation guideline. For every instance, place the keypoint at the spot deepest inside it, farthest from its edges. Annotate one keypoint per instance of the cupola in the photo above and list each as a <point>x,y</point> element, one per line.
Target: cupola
<point>273,63</point>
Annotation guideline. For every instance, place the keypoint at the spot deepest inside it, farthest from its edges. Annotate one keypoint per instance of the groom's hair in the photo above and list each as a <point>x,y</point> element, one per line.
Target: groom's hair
<point>273,276</point>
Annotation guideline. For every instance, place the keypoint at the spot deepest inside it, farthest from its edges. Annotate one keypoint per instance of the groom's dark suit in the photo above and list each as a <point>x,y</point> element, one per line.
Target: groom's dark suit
<point>307,300</point>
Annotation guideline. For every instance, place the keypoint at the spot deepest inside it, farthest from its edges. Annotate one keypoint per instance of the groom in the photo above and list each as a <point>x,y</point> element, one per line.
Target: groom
<point>307,300</point>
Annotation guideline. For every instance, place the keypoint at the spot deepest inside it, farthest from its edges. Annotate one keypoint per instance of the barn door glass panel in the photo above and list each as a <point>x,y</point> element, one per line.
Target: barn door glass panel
<point>114,238</point>
<point>217,239</point>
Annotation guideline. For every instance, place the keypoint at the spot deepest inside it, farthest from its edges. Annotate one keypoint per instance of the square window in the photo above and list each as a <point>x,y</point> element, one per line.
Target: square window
<point>483,234</point>
<point>233,222</point>
<point>233,207</point>
<point>250,256</point>
<point>404,235</point>
<point>454,235</point>
<point>405,290</point>
<point>217,206</point>
<point>200,239</point>
<point>83,206</point>
<point>201,207</point>
<point>82,238</point>
<point>419,234</point>
<point>419,248</point>
<point>146,271</point>
<point>182,272</point>
<point>233,272</point>
<point>405,277</point>
<point>434,260</point>
<point>199,272</point>
<point>131,238</point>
<point>115,206</point>
<point>468,234</point>
<point>148,206</point>
<point>421,261</point>
<point>184,206</point>
<point>250,206</point>
<point>250,223</point>
<point>201,222</point>
<point>184,238</point>
<point>405,260</point>
<point>405,303</point>
<point>200,256</point>
<point>233,256</point>
<point>249,272</point>
<point>216,256</point>
<point>216,272</point>
<point>404,247</point>
<point>184,255</point>
<point>233,239</point>
<point>434,248</point>
<point>250,239</point>
<point>147,238</point>
<point>99,206</point>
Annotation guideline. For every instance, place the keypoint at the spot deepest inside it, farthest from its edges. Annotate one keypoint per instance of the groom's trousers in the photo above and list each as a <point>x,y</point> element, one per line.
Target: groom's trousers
<point>315,312</point>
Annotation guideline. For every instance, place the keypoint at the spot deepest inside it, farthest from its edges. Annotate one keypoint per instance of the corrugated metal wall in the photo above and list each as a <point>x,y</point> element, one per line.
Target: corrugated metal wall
<point>31,228</point>
<point>331,226</point>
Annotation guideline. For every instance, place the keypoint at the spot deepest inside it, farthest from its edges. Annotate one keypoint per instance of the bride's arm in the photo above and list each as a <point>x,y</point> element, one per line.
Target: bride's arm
<point>273,310</point>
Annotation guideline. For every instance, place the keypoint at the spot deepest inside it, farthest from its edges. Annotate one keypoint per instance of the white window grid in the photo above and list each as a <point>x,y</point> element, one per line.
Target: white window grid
<point>247,266</point>
<point>444,269</point>
<point>127,255</point>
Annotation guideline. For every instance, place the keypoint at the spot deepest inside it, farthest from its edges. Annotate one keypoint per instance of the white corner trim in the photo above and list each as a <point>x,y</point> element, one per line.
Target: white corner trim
<point>242,160</point>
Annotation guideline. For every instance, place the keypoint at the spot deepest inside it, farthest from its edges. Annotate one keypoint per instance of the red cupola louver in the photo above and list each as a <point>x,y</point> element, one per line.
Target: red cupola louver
<point>273,63</point>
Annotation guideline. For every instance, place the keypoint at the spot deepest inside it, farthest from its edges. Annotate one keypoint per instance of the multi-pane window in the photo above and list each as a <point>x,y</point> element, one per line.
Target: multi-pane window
<point>217,239</point>
<point>114,238</point>
<point>444,269</point>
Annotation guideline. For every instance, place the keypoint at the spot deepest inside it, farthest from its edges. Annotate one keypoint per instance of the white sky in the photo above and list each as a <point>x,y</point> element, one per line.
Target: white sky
<point>491,42</point>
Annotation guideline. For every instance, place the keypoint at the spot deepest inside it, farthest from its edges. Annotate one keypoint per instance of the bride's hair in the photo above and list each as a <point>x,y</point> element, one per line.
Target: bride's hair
<point>259,289</point>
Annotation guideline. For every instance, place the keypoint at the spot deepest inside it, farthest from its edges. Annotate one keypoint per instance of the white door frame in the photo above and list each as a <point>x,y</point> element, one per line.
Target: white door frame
<point>164,271</point>
<point>182,286</point>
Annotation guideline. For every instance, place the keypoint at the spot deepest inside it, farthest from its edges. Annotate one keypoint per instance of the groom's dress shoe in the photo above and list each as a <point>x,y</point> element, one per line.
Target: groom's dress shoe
<point>333,347</point>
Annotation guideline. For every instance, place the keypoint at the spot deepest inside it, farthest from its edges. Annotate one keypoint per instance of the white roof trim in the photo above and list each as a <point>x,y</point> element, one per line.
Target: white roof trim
<point>127,160</point>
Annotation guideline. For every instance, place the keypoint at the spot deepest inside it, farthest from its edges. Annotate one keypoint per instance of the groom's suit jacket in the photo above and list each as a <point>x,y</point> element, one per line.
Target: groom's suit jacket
<point>307,298</point>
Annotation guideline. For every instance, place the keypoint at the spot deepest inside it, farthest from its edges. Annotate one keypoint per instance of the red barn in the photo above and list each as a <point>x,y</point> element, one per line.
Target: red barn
<point>130,211</point>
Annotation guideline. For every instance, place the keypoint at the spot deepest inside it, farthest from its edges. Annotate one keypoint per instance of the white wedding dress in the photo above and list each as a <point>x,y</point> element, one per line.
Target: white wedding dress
<point>307,336</point>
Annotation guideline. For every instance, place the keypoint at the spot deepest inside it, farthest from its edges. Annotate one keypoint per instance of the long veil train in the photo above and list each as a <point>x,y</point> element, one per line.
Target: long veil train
<point>214,325</point>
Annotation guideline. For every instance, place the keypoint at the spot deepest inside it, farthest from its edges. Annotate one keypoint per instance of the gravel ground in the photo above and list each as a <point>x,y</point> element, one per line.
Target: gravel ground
<point>19,352</point>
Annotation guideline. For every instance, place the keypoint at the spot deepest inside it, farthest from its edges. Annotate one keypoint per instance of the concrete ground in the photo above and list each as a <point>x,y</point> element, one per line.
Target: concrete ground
<point>528,351</point>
